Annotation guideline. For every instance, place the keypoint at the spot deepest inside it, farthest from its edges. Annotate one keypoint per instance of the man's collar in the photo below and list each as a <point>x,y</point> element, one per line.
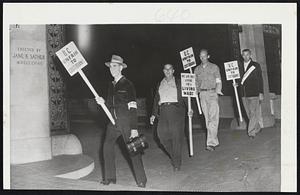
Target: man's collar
<point>208,63</point>
<point>118,79</point>
<point>173,78</point>
<point>247,62</point>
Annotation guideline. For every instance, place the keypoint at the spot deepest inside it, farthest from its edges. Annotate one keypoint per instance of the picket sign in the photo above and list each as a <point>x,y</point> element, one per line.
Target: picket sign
<point>188,89</point>
<point>188,58</point>
<point>188,61</point>
<point>73,61</point>
<point>232,73</point>
<point>190,118</point>
<point>188,85</point>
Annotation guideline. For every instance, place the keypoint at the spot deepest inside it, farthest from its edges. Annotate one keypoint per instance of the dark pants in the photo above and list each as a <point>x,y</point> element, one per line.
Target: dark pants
<point>113,133</point>
<point>170,130</point>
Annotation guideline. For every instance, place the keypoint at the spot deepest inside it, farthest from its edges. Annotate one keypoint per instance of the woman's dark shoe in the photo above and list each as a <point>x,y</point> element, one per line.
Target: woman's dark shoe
<point>108,181</point>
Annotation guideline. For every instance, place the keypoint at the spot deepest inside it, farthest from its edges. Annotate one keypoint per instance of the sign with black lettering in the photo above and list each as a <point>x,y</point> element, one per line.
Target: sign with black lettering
<point>188,85</point>
<point>71,58</point>
<point>232,70</point>
<point>188,58</point>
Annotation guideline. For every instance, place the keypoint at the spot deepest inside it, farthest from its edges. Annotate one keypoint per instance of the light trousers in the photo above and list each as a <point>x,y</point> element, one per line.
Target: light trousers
<point>252,108</point>
<point>210,107</point>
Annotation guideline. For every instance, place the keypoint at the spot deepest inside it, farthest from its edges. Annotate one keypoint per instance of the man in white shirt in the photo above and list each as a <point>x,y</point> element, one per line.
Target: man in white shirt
<point>246,64</point>
<point>170,107</point>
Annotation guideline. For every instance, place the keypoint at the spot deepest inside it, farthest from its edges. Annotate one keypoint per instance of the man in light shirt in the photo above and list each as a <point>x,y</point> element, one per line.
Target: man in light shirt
<point>209,85</point>
<point>170,108</point>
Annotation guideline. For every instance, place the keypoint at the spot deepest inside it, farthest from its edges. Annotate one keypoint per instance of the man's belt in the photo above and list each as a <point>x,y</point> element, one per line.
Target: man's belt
<point>207,89</point>
<point>169,103</point>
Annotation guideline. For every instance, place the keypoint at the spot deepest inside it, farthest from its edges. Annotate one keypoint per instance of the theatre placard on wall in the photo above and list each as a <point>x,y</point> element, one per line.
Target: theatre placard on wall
<point>232,70</point>
<point>188,58</point>
<point>188,85</point>
<point>71,58</point>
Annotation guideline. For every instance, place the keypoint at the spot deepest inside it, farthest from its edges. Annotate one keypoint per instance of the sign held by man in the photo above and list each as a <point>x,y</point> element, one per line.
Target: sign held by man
<point>232,70</point>
<point>188,85</point>
<point>73,61</point>
<point>232,73</point>
<point>188,58</point>
<point>71,58</point>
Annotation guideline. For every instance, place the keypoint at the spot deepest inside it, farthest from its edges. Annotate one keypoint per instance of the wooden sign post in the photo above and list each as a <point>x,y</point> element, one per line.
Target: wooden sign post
<point>73,61</point>
<point>232,73</point>
<point>188,89</point>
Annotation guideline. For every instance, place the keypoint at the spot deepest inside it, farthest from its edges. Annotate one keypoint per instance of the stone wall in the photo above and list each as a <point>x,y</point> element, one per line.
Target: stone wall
<point>29,95</point>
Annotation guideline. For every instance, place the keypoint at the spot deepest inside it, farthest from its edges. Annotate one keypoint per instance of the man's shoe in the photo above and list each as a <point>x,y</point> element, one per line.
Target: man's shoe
<point>108,181</point>
<point>251,136</point>
<point>176,169</point>
<point>141,185</point>
<point>210,148</point>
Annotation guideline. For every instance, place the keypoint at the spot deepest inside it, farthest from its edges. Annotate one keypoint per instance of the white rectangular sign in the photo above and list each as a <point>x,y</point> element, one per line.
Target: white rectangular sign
<point>232,70</point>
<point>188,85</point>
<point>71,58</point>
<point>188,58</point>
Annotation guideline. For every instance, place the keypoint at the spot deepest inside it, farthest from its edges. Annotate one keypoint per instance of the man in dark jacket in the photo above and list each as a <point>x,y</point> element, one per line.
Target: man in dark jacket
<point>251,88</point>
<point>121,101</point>
<point>170,107</point>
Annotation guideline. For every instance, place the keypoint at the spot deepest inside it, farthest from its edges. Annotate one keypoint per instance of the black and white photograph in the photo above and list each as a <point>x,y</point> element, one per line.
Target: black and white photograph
<point>150,97</point>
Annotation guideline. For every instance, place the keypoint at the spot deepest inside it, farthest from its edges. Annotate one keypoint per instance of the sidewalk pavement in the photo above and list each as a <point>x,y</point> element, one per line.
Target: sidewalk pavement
<point>42,175</point>
<point>35,182</point>
<point>238,164</point>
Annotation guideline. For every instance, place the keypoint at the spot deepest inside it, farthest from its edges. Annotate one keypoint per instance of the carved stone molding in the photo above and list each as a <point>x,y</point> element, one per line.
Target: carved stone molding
<point>233,32</point>
<point>59,120</point>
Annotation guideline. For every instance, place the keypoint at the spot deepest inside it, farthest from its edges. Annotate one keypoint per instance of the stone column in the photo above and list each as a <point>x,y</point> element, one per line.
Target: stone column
<point>252,37</point>
<point>29,94</point>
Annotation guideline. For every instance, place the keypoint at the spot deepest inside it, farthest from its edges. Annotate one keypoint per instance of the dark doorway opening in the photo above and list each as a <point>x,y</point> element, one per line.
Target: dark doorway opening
<point>145,48</point>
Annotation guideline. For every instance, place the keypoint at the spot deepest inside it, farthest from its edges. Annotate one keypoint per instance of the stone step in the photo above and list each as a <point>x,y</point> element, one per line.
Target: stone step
<point>64,166</point>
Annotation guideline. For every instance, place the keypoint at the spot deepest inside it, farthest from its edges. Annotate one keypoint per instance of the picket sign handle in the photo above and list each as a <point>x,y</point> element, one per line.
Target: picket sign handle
<point>190,124</point>
<point>197,98</point>
<point>96,95</point>
<point>190,129</point>
<point>237,100</point>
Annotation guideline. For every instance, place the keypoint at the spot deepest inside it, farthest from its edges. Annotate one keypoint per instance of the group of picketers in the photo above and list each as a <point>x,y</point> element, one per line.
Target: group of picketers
<point>169,109</point>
